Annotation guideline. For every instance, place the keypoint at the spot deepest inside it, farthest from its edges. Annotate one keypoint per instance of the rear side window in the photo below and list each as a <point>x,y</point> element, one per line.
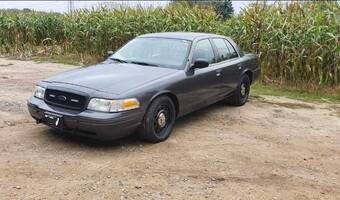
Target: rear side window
<point>231,49</point>
<point>222,49</point>
<point>204,51</point>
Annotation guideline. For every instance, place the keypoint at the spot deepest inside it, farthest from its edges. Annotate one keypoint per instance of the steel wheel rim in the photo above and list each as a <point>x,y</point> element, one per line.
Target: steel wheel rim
<point>244,90</point>
<point>161,120</point>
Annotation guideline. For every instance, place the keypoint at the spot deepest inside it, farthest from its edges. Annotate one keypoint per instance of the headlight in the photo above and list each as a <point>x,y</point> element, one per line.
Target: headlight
<point>39,92</point>
<point>105,105</point>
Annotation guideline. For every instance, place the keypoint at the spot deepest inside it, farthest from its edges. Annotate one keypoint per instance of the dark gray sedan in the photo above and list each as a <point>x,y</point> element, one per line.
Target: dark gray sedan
<point>145,85</point>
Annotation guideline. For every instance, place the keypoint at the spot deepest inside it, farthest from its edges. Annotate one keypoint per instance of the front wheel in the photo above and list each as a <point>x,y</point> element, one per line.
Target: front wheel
<point>241,94</point>
<point>159,120</point>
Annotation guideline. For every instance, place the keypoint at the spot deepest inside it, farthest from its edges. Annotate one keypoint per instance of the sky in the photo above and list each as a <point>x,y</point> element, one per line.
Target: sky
<point>62,6</point>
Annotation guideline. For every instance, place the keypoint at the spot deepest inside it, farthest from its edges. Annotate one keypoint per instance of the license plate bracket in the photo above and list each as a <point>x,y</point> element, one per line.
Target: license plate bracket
<point>53,120</point>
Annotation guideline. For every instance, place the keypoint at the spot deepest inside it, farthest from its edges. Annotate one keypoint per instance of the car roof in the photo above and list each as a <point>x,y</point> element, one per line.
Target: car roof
<point>181,35</point>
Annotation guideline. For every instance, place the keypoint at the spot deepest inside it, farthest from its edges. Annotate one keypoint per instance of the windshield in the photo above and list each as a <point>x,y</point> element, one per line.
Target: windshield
<point>157,52</point>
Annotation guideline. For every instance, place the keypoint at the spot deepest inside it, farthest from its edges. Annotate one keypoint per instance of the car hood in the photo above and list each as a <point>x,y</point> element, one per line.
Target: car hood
<point>113,78</point>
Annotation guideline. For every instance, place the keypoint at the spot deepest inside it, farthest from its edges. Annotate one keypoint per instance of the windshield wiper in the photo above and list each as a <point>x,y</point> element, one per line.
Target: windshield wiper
<point>134,62</point>
<point>119,60</point>
<point>144,63</point>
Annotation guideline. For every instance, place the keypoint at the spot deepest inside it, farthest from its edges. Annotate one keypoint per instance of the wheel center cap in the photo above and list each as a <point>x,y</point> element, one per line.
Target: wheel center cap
<point>161,120</point>
<point>243,89</point>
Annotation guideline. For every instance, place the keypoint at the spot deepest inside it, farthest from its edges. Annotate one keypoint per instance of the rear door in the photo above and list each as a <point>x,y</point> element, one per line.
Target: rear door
<point>229,63</point>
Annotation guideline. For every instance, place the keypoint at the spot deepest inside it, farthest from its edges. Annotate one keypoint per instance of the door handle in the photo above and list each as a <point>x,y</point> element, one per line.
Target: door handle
<point>218,72</point>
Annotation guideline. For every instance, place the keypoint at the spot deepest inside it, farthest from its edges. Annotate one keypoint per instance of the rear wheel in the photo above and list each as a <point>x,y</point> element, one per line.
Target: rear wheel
<point>241,94</point>
<point>159,120</point>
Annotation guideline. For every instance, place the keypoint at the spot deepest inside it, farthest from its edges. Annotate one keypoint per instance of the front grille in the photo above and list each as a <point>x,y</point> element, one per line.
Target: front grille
<point>65,99</point>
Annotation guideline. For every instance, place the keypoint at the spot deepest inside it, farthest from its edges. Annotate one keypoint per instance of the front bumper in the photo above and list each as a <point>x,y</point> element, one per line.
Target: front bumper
<point>103,126</point>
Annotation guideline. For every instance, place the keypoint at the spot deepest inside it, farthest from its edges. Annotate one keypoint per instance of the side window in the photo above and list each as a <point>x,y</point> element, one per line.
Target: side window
<point>204,51</point>
<point>231,49</point>
<point>222,49</point>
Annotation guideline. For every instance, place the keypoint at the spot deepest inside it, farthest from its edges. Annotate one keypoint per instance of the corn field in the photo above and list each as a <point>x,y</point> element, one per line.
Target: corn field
<point>297,43</point>
<point>95,31</point>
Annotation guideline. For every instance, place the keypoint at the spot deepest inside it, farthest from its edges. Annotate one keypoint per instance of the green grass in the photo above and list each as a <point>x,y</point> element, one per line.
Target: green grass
<point>326,95</point>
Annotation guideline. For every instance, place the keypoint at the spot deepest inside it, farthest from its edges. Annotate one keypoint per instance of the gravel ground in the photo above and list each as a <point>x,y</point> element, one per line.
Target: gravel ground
<point>271,148</point>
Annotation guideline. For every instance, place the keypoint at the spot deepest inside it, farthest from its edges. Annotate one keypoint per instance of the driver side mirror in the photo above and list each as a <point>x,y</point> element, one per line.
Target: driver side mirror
<point>200,63</point>
<point>109,53</point>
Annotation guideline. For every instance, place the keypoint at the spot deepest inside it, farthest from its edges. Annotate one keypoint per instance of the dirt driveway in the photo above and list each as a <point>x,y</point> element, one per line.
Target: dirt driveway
<point>271,148</point>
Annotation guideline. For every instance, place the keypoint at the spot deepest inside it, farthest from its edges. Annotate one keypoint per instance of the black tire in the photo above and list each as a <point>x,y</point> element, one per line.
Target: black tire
<point>241,94</point>
<point>154,129</point>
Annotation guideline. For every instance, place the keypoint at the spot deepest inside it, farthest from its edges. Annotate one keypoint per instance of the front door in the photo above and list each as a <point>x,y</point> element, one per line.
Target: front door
<point>201,86</point>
